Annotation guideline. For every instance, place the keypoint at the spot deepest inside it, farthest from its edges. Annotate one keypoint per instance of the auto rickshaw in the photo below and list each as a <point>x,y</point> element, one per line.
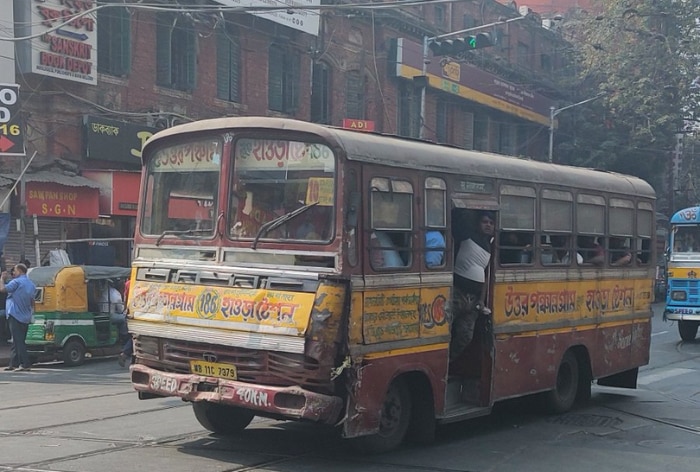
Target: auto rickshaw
<point>71,319</point>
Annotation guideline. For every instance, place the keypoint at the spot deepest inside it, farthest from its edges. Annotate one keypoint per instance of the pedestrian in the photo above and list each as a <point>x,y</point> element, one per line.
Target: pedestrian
<point>20,309</point>
<point>128,348</point>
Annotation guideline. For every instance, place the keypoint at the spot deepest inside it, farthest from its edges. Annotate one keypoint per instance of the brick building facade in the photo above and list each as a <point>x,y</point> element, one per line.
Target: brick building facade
<point>151,69</point>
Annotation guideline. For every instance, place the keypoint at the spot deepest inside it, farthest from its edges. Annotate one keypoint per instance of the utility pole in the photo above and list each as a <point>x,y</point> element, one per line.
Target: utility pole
<point>553,112</point>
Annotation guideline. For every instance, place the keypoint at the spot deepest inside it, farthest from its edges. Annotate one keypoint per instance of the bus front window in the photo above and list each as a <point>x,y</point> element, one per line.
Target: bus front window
<point>282,190</point>
<point>181,190</point>
<point>686,239</point>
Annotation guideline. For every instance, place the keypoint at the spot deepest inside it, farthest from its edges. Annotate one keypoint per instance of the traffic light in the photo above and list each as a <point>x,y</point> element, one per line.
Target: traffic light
<point>453,47</point>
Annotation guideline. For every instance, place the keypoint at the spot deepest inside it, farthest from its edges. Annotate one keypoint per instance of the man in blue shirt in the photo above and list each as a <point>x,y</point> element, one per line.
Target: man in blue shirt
<point>20,307</point>
<point>434,240</point>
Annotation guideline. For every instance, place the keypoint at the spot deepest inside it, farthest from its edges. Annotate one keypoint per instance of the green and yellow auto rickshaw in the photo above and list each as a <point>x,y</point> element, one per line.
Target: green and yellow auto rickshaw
<point>73,318</point>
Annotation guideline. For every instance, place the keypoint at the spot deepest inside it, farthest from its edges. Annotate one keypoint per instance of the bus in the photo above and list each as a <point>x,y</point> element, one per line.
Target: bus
<point>262,283</point>
<point>683,296</point>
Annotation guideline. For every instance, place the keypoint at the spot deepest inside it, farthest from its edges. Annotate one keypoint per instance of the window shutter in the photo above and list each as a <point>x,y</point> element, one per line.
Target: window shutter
<point>163,54</point>
<point>319,94</point>
<point>124,56</point>
<point>275,82</point>
<point>292,84</point>
<point>190,57</point>
<point>223,65</point>
<point>103,42</point>
<point>468,130</point>
<point>235,69</point>
<point>354,95</point>
<point>441,134</point>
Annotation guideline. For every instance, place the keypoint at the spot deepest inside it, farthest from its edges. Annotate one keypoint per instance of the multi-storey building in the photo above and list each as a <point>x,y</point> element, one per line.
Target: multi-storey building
<point>97,80</point>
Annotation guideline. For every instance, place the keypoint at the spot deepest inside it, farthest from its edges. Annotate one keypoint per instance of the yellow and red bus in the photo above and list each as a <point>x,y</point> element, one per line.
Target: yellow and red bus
<point>256,287</point>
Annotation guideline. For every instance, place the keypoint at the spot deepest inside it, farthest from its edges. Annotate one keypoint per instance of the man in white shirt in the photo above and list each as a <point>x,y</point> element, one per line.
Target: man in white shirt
<point>470,279</point>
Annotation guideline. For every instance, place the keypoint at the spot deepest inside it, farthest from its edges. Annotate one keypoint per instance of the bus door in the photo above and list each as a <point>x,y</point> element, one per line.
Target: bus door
<point>473,216</point>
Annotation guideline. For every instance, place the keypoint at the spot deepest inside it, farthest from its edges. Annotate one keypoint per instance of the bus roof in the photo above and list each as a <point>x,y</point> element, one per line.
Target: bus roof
<point>689,215</point>
<point>411,153</point>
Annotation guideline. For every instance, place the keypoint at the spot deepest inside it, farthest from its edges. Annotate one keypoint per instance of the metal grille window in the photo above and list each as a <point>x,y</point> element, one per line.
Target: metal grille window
<point>355,95</point>
<point>320,94</point>
<point>408,111</point>
<point>114,41</point>
<point>283,79</point>
<point>175,52</point>
<point>228,65</point>
<point>441,123</point>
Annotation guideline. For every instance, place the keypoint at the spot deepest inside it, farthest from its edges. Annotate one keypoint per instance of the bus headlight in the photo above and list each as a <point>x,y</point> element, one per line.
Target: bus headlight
<point>679,295</point>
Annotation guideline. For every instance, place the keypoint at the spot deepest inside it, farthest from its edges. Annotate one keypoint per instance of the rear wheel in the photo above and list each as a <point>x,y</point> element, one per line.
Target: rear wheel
<point>688,330</point>
<point>562,397</point>
<point>73,353</point>
<point>222,419</point>
<point>393,422</point>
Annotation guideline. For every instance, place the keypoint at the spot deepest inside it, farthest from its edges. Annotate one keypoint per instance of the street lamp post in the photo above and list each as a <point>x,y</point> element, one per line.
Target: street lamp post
<point>553,112</point>
<point>426,42</point>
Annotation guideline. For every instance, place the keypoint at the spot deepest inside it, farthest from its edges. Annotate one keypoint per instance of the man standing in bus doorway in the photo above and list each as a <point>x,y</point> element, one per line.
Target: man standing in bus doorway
<point>20,308</point>
<point>470,277</point>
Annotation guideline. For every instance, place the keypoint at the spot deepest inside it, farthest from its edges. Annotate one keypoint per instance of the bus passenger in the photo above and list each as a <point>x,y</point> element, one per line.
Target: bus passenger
<point>383,252</point>
<point>434,240</point>
<point>470,277</point>
<point>562,253</point>
<point>594,253</point>
<point>619,253</point>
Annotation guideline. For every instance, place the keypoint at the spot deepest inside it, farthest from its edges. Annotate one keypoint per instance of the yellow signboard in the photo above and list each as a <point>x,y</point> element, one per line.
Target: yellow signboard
<point>393,315</point>
<point>538,303</point>
<point>264,311</point>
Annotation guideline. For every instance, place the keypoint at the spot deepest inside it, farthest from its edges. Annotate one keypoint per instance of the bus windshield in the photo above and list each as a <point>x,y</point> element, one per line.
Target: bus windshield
<point>181,190</point>
<point>686,240</point>
<point>282,190</point>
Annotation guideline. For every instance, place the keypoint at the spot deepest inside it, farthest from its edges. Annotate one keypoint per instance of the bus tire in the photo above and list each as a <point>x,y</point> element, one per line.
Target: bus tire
<point>222,419</point>
<point>394,419</point>
<point>688,329</point>
<point>563,396</point>
<point>73,353</point>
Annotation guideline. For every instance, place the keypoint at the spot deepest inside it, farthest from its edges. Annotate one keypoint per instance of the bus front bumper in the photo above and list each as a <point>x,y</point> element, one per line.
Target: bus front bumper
<point>681,314</point>
<point>287,402</point>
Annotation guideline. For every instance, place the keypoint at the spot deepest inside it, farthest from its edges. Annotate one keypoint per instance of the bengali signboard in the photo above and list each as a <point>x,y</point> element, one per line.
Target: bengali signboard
<point>117,141</point>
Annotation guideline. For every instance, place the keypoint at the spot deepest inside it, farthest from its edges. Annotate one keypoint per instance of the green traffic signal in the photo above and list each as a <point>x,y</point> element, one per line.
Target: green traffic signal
<point>451,47</point>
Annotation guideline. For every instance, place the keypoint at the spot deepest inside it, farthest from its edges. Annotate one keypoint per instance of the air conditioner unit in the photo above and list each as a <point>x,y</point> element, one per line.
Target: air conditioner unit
<point>548,23</point>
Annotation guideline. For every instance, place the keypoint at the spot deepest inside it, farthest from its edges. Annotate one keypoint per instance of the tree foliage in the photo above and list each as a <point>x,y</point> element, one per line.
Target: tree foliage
<point>642,56</point>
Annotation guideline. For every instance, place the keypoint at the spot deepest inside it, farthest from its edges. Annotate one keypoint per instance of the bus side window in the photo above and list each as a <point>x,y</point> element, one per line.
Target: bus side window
<point>391,222</point>
<point>592,249</point>
<point>435,222</point>
<point>515,247</point>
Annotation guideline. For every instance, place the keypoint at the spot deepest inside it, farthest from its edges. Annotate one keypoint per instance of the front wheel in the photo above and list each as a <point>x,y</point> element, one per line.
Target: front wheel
<point>73,353</point>
<point>393,422</point>
<point>222,419</point>
<point>688,329</point>
<point>562,397</point>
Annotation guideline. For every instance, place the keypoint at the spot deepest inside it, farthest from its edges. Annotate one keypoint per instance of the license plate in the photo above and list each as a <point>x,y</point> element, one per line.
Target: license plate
<point>214,369</point>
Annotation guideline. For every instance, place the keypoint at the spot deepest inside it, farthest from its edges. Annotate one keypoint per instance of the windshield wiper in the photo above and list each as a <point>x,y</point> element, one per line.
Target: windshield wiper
<point>180,232</point>
<point>279,221</point>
